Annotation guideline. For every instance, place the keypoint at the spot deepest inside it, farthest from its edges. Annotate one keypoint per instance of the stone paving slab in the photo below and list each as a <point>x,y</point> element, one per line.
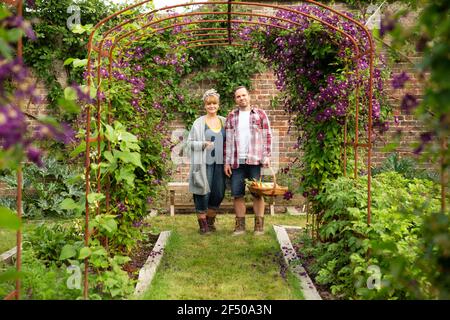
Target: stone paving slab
<point>292,260</point>
<point>8,255</point>
<point>293,211</point>
<point>148,271</point>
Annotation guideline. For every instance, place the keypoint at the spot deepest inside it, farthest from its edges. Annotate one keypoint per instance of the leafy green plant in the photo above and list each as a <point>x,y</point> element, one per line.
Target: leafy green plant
<point>46,188</point>
<point>48,239</point>
<point>41,281</point>
<point>392,242</point>
<point>406,167</point>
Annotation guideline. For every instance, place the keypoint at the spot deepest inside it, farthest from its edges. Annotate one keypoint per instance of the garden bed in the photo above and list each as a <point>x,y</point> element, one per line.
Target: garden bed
<point>307,262</point>
<point>46,276</point>
<point>140,255</point>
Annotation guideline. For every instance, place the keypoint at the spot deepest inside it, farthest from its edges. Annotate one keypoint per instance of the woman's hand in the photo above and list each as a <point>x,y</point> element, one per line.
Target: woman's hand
<point>208,145</point>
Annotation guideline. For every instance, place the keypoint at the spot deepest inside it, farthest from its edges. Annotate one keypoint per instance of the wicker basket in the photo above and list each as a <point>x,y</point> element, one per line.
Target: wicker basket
<point>273,191</point>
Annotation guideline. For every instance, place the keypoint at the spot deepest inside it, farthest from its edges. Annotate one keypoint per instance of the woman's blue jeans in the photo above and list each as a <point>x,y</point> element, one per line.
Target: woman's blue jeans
<point>216,182</point>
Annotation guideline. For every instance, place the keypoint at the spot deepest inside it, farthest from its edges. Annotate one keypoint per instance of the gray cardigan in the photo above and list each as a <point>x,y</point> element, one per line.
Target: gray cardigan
<point>198,182</point>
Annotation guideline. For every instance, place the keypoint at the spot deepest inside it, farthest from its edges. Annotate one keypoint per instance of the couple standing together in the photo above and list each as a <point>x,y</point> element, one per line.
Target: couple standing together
<point>236,147</point>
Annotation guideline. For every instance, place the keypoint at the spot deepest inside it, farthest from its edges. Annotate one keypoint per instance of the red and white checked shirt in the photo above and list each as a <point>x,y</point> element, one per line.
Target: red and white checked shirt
<point>260,146</point>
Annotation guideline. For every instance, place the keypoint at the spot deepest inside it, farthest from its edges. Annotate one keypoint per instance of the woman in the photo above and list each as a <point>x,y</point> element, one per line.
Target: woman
<point>206,175</point>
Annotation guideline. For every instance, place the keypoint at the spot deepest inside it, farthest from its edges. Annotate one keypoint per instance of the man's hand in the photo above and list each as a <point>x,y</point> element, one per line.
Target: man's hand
<point>227,170</point>
<point>266,163</point>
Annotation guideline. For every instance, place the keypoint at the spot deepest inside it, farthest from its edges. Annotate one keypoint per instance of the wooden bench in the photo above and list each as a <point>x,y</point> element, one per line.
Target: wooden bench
<point>184,187</point>
<point>176,186</point>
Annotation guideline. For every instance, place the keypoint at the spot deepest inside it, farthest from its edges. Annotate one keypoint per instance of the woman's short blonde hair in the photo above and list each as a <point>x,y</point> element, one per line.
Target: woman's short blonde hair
<point>211,93</point>
<point>211,99</point>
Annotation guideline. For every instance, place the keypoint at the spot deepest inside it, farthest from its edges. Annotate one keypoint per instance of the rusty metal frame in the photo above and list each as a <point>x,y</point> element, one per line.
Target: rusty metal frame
<point>230,3</point>
<point>130,34</point>
<point>15,294</point>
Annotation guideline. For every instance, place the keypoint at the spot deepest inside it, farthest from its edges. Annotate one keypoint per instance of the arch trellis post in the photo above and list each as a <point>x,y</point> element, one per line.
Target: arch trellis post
<point>227,40</point>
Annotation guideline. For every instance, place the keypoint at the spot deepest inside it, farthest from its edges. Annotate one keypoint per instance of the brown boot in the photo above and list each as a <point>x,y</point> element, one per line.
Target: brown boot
<point>259,226</point>
<point>211,221</point>
<point>203,224</point>
<point>239,227</point>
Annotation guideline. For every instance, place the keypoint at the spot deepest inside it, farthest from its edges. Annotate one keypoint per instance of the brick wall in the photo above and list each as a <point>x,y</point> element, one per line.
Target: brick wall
<point>264,90</point>
<point>36,110</point>
<point>410,127</point>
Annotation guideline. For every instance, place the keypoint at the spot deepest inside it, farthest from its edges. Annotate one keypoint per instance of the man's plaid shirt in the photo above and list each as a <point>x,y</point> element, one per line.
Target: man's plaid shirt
<point>260,146</point>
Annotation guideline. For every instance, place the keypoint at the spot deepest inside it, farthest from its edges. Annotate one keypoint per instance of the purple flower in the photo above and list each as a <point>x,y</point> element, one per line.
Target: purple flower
<point>387,25</point>
<point>12,126</point>
<point>30,3</point>
<point>398,81</point>
<point>426,137</point>
<point>121,207</point>
<point>35,155</point>
<point>419,149</point>
<point>320,136</point>
<point>288,195</point>
<point>82,93</point>
<point>409,102</point>
<point>137,224</point>
<point>19,22</point>
<point>376,108</point>
<point>63,133</point>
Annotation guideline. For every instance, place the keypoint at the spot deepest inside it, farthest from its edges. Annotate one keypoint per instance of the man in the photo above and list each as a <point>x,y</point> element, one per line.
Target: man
<point>247,148</point>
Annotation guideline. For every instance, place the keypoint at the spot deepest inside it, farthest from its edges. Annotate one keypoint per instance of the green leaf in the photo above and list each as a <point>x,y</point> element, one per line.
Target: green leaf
<point>79,29</point>
<point>110,225</point>
<point>130,157</point>
<point>128,137</point>
<point>121,259</point>
<point>68,61</point>
<point>13,35</point>
<point>99,252</point>
<point>84,253</point>
<point>10,275</point>
<point>81,147</point>
<point>5,49</point>
<point>69,105</point>
<point>8,219</point>
<point>68,251</point>
<point>94,197</point>
<point>70,93</point>
<point>4,13</point>
<point>108,156</point>
<point>79,63</point>
<point>69,204</point>
<point>126,174</point>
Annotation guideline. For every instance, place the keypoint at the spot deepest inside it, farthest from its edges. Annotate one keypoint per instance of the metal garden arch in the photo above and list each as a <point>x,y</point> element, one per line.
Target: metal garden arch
<point>214,42</point>
<point>225,41</point>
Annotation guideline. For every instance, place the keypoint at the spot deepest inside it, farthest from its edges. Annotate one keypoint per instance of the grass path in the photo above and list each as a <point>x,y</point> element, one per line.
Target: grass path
<point>7,240</point>
<point>220,266</point>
